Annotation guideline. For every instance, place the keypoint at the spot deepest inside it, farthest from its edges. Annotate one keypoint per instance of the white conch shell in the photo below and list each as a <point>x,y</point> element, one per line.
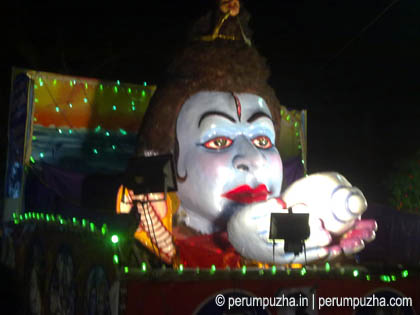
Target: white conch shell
<point>330,197</point>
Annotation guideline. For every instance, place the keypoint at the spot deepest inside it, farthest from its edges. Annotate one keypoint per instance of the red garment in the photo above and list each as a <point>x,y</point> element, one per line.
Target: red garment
<point>206,250</point>
<point>210,249</point>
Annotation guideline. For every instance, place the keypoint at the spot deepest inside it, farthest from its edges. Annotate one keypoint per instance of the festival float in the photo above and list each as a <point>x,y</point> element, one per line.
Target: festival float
<point>207,209</point>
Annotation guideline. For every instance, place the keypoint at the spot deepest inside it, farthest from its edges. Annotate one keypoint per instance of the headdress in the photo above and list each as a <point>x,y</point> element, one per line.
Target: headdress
<point>218,57</point>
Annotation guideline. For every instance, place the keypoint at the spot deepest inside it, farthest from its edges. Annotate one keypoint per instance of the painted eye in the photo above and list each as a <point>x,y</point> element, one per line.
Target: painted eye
<point>218,143</point>
<point>262,142</point>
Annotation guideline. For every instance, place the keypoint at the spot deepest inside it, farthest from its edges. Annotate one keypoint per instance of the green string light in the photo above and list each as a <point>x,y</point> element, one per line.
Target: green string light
<point>118,82</point>
<point>84,222</point>
<point>60,131</point>
<point>273,270</point>
<point>101,87</point>
<point>368,277</point>
<point>92,227</point>
<point>55,82</point>
<point>85,100</point>
<point>393,278</point>
<point>181,268</point>
<point>35,86</point>
<point>48,218</point>
<point>303,271</point>
<point>327,267</point>
<point>86,86</point>
<point>213,269</point>
<point>70,131</point>
<point>129,90</point>
<point>70,105</point>
<point>123,132</point>
<point>107,133</point>
<point>95,151</point>
<point>104,229</point>
<point>113,147</point>
<point>143,93</point>
<point>197,270</point>
<point>74,221</point>
<point>115,239</point>
<point>125,269</point>
<point>116,259</point>
<point>288,117</point>
<point>145,83</point>
<point>143,266</point>
<point>404,273</point>
<point>355,273</point>
<point>114,107</point>
<point>115,89</point>
<point>98,128</point>
<point>243,269</point>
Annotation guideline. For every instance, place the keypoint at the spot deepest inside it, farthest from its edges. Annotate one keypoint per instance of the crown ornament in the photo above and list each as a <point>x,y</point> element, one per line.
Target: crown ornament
<point>229,9</point>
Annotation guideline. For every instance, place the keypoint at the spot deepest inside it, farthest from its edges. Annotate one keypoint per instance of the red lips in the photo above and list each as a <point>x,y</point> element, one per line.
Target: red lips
<point>246,194</point>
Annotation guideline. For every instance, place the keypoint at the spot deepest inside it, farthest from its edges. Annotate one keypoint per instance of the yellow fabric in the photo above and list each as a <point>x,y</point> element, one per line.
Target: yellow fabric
<point>172,204</point>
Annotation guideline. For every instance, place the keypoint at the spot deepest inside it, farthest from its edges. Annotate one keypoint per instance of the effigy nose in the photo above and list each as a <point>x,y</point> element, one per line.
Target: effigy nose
<point>248,157</point>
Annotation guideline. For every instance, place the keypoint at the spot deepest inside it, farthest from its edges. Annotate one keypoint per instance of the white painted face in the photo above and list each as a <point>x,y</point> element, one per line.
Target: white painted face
<point>226,155</point>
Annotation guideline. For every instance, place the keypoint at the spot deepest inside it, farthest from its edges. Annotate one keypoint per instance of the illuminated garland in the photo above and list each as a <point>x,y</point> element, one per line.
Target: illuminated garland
<point>137,95</point>
<point>267,273</point>
<point>299,133</point>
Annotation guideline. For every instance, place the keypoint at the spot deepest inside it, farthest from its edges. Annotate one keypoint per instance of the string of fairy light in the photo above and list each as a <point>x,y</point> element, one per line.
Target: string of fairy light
<point>76,224</point>
<point>299,134</point>
<point>117,87</point>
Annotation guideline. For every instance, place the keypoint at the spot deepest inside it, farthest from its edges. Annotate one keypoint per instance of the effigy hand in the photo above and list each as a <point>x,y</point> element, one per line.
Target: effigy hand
<point>339,206</point>
<point>248,231</point>
<point>334,207</point>
<point>353,241</point>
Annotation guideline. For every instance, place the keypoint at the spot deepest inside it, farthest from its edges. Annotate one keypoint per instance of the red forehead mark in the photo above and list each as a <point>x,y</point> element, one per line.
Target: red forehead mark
<point>238,106</point>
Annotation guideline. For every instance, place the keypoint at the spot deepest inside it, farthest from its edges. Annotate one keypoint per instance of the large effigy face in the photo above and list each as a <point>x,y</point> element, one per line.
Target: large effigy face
<point>227,157</point>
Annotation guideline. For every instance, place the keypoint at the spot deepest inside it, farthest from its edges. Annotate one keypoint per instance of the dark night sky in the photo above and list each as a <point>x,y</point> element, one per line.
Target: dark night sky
<point>363,101</point>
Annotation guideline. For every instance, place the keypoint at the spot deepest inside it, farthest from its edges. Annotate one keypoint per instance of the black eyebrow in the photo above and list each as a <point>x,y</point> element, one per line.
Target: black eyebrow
<point>215,113</point>
<point>257,115</point>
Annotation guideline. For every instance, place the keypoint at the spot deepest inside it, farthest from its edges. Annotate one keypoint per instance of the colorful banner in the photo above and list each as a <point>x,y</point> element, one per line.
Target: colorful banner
<point>84,124</point>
